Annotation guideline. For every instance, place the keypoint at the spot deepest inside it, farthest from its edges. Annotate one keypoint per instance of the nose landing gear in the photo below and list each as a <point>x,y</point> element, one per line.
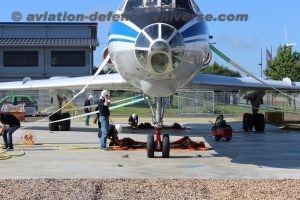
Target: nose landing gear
<point>158,145</point>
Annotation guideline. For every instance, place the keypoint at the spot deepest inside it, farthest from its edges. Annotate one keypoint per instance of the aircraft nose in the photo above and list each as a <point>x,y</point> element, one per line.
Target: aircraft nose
<point>159,48</point>
<point>160,58</point>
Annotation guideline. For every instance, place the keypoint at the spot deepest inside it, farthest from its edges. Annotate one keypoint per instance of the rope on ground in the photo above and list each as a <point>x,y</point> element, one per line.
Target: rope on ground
<point>5,155</point>
<point>61,147</point>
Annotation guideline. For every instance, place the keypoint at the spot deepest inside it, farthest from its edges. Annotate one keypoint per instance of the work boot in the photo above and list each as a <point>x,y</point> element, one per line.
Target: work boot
<point>5,147</point>
<point>10,148</point>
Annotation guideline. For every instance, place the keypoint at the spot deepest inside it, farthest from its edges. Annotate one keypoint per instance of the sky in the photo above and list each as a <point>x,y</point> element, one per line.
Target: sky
<point>241,41</point>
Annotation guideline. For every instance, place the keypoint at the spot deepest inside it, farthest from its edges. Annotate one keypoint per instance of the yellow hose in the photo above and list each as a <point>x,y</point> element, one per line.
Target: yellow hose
<point>4,155</point>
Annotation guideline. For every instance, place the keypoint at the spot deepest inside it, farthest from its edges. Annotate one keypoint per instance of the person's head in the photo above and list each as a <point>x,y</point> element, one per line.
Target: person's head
<point>221,117</point>
<point>134,116</point>
<point>90,97</point>
<point>119,128</point>
<point>105,93</point>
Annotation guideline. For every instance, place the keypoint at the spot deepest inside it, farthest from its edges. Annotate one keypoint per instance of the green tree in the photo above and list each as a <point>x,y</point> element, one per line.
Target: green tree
<point>286,63</point>
<point>217,69</point>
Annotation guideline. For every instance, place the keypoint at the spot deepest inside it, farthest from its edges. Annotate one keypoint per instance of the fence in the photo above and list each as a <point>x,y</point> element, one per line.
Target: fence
<point>195,102</point>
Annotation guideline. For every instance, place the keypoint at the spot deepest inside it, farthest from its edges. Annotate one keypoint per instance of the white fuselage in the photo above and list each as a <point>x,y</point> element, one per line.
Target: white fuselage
<point>158,57</point>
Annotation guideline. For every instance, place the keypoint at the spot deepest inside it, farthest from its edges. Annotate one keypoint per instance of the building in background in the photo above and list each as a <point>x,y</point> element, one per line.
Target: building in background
<point>44,50</point>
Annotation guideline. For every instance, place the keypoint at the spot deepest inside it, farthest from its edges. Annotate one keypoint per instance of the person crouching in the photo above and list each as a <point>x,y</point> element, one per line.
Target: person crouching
<point>10,125</point>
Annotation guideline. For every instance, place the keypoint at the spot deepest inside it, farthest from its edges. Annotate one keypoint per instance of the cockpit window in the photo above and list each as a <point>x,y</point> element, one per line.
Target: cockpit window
<point>151,3</point>
<point>184,4</point>
<point>166,3</point>
<point>152,31</point>
<point>166,32</point>
<point>133,4</point>
<point>160,47</point>
<point>180,4</point>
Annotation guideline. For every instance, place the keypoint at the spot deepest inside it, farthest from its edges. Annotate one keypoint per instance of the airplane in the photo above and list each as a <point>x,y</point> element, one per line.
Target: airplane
<point>158,50</point>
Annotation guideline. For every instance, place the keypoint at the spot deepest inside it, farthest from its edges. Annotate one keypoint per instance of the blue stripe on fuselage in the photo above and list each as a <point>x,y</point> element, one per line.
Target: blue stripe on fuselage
<point>199,28</point>
<point>197,40</point>
<point>119,28</point>
<point>120,40</point>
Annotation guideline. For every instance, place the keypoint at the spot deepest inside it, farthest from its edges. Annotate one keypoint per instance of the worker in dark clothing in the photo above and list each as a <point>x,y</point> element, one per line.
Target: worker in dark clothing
<point>112,134</point>
<point>133,120</point>
<point>220,122</point>
<point>88,109</point>
<point>104,113</point>
<point>10,125</point>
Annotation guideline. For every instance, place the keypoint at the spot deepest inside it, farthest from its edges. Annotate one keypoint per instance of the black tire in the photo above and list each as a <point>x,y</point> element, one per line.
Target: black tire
<point>217,138</point>
<point>150,146</point>
<point>248,122</point>
<point>166,146</point>
<point>54,126</point>
<point>65,125</point>
<point>259,122</point>
<point>228,139</point>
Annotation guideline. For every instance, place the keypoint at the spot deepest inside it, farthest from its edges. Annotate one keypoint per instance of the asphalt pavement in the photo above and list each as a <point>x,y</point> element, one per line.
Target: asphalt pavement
<point>75,154</point>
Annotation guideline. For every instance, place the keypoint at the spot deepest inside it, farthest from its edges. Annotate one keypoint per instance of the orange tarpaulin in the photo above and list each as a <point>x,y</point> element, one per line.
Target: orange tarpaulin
<point>183,143</point>
<point>16,110</point>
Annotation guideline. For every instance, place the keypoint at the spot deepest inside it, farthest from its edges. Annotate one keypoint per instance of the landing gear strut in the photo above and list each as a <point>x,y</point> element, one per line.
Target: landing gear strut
<point>256,120</point>
<point>159,144</point>
<point>58,98</point>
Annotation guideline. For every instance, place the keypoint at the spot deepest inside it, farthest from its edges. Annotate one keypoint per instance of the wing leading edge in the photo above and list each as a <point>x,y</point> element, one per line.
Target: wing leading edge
<point>107,81</point>
<point>206,81</point>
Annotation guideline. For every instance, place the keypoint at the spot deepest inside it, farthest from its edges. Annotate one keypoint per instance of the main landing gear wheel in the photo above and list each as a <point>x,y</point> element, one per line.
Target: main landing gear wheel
<point>166,146</point>
<point>256,120</point>
<point>248,122</point>
<point>65,125</point>
<point>150,146</point>
<point>259,122</point>
<point>54,126</point>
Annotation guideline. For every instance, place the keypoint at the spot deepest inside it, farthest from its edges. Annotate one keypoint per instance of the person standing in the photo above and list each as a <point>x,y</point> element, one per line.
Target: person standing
<point>88,109</point>
<point>10,125</point>
<point>104,113</point>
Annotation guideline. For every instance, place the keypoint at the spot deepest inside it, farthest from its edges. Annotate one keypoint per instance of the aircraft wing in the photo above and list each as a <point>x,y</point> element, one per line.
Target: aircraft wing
<point>107,81</point>
<point>214,82</point>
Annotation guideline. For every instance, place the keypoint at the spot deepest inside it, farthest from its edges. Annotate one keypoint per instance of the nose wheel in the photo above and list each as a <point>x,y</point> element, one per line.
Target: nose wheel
<point>158,145</point>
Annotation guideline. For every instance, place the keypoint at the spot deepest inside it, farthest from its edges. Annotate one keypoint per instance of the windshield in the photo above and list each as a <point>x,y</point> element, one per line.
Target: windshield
<point>133,4</point>
<point>180,4</point>
<point>184,4</point>
<point>151,3</point>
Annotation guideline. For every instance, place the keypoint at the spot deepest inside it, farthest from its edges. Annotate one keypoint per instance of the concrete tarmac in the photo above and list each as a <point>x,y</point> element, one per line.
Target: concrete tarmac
<point>75,154</point>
